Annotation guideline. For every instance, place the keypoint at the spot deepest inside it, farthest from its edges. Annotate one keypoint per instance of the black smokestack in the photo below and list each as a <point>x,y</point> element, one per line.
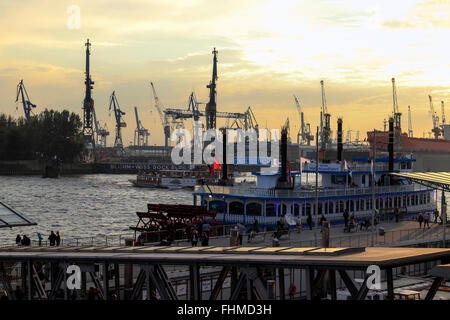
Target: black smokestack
<point>224,149</point>
<point>391,144</point>
<point>283,153</point>
<point>339,139</point>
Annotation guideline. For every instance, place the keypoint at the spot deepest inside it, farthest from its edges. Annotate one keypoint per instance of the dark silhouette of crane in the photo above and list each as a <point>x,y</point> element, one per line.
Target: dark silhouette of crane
<point>140,134</point>
<point>88,104</point>
<point>27,105</point>
<point>119,123</point>
<point>325,119</point>
<point>211,107</point>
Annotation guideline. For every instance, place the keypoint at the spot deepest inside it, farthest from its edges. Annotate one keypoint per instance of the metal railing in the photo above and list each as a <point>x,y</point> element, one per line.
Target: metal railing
<point>241,191</point>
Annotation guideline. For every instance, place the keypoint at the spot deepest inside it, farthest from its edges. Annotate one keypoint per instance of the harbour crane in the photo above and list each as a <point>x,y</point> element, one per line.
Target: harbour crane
<point>100,132</point>
<point>305,129</point>
<point>140,134</point>
<point>436,130</point>
<point>88,104</point>
<point>443,111</point>
<point>410,131</point>
<point>162,116</point>
<point>325,118</point>
<point>396,114</point>
<point>211,107</point>
<point>119,123</point>
<point>27,105</point>
<point>246,120</point>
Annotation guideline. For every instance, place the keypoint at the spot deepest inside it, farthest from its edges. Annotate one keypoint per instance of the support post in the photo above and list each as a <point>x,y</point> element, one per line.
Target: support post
<point>332,277</point>
<point>194,287</point>
<point>390,284</point>
<point>281,283</point>
<point>434,287</point>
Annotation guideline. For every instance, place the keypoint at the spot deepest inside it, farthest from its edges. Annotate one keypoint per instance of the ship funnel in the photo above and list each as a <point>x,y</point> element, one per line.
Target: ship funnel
<point>339,139</point>
<point>224,165</point>
<point>391,144</point>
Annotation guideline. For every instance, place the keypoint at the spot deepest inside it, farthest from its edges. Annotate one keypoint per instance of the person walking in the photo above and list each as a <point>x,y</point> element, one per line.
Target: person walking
<point>241,232</point>
<point>436,215</point>
<point>52,238</point>
<point>206,227</point>
<point>18,240</point>
<point>345,218</point>
<point>40,238</point>
<point>397,214</point>
<point>205,239</point>
<point>25,240</point>
<point>194,237</point>
<point>58,238</point>
<point>298,224</point>
<point>255,225</point>
<point>420,219</point>
<point>426,220</point>
<point>309,221</point>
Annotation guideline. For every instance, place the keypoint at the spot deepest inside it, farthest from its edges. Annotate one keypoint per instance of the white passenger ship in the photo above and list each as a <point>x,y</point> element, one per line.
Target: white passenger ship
<point>342,187</point>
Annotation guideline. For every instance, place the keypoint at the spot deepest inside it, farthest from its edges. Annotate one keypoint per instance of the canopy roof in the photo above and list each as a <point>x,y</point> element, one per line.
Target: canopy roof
<point>438,180</point>
<point>11,218</point>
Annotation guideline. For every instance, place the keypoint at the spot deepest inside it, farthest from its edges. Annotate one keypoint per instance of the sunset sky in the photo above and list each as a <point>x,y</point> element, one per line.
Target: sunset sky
<point>268,51</point>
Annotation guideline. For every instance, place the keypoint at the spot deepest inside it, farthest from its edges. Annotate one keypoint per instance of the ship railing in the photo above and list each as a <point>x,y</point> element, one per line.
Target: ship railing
<point>323,192</point>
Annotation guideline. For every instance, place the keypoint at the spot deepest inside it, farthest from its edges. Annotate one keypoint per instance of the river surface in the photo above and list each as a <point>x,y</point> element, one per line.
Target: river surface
<point>80,206</point>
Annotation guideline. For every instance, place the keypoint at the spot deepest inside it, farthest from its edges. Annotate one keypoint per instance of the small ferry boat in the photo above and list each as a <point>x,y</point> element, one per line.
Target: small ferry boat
<point>176,179</point>
<point>344,186</point>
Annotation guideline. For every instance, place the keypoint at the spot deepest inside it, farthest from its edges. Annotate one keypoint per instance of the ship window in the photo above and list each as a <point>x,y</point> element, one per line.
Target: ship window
<point>347,205</point>
<point>357,205</point>
<point>331,207</point>
<point>254,209</point>
<point>308,208</point>
<point>428,197</point>
<point>217,205</point>
<point>377,203</point>
<point>420,199</point>
<point>363,179</point>
<point>341,206</point>
<point>361,204</point>
<point>404,201</point>
<point>236,208</point>
<point>368,204</point>
<point>389,203</point>
<point>338,179</point>
<point>326,207</point>
<point>270,210</point>
<point>296,209</point>
<point>416,199</point>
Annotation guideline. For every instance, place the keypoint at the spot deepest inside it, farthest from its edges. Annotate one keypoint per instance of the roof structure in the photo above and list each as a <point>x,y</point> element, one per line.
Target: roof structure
<point>11,218</point>
<point>437,180</point>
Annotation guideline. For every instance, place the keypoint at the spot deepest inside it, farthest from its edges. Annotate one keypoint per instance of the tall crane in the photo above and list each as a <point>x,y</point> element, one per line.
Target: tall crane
<point>27,105</point>
<point>443,112</point>
<point>410,131</point>
<point>396,114</point>
<point>88,104</point>
<point>436,130</point>
<point>305,128</point>
<point>119,123</point>
<point>162,116</point>
<point>325,118</point>
<point>140,134</point>
<point>210,109</point>
<point>100,132</point>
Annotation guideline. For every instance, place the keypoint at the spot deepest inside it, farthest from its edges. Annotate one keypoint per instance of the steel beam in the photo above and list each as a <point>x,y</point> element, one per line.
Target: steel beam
<point>332,277</point>
<point>195,289</point>
<point>348,283</point>
<point>219,283</point>
<point>434,287</point>
<point>363,290</point>
<point>240,283</point>
<point>390,284</point>
<point>281,283</point>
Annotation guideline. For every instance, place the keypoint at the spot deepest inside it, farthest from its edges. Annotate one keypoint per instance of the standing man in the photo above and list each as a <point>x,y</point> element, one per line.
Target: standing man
<point>309,221</point>
<point>426,220</point>
<point>346,218</point>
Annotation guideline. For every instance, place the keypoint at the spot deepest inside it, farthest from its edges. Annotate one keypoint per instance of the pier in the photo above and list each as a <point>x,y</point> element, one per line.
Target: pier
<point>251,270</point>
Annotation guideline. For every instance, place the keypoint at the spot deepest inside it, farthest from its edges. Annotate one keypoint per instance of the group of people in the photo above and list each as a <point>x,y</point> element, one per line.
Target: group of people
<point>199,232</point>
<point>54,239</point>
<point>426,217</point>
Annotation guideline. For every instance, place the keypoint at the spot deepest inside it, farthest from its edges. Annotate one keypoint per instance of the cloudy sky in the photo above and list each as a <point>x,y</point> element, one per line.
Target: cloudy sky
<point>268,51</point>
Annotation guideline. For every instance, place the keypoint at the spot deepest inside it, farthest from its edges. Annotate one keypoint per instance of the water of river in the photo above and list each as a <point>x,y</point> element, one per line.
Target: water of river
<point>80,206</point>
